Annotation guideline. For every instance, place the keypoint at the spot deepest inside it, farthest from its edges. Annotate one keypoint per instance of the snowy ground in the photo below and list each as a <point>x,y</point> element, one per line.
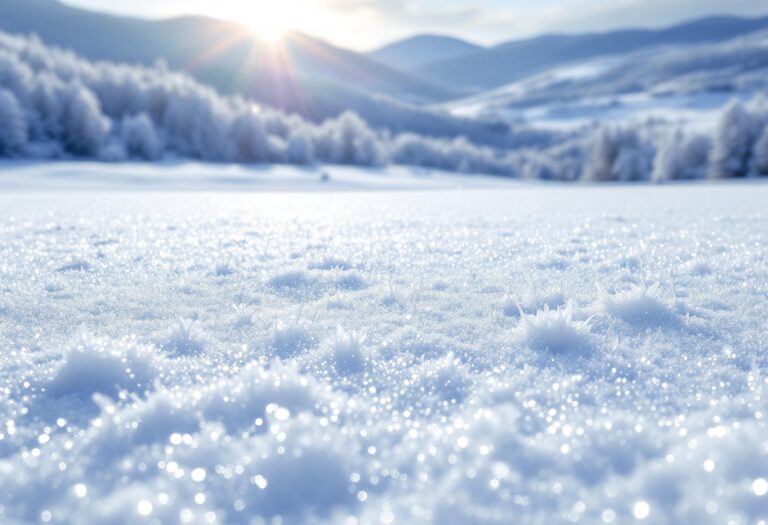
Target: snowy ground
<point>698,111</point>
<point>527,355</point>
<point>194,176</point>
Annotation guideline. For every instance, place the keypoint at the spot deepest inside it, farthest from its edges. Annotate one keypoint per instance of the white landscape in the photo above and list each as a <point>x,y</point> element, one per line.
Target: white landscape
<point>527,354</point>
<point>251,277</point>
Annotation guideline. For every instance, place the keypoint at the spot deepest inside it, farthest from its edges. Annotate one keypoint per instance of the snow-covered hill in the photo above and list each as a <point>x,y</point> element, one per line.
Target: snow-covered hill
<point>303,74</point>
<point>672,83</point>
<point>536,356</point>
<point>517,60</point>
<point>419,51</point>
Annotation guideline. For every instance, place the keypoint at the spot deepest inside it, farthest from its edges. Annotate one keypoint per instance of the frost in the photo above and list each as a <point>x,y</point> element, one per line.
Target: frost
<point>348,351</point>
<point>291,340</point>
<point>462,381</point>
<point>98,365</point>
<point>183,339</point>
<point>641,306</point>
<point>556,331</point>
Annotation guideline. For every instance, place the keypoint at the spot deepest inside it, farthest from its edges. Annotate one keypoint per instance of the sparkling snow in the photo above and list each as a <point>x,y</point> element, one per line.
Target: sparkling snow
<point>527,355</point>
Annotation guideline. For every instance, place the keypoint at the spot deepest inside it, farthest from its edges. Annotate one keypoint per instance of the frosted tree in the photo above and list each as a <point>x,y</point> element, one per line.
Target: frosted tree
<point>13,125</point>
<point>139,137</point>
<point>84,127</point>
<point>353,142</point>
<point>761,154</point>
<point>695,156</point>
<point>682,156</point>
<point>733,141</point>
<point>617,154</point>
<point>605,150</point>
<point>631,164</point>
<point>45,99</point>
<point>15,76</point>
<point>250,139</point>
<point>300,149</point>
<point>667,162</point>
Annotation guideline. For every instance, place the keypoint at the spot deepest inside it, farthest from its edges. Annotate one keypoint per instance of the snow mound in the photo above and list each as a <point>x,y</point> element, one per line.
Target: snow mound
<point>349,281</point>
<point>556,332</point>
<point>641,306</point>
<point>291,340</point>
<point>446,378</point>
<point>245,400</point>
<point>183,339</point>
<point>99,365</point>
<point>347,349</point>
<point>296,284</point>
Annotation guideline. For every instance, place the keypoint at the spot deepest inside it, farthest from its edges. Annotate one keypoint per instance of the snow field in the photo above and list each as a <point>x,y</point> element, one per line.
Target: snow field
<point>537,355</point>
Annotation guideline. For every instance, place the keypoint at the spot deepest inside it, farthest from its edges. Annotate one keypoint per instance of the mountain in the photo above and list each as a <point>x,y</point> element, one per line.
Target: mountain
<point>421,50</point>
<point>683,83</point>
<point>301,74</point>
<point>516,60</point>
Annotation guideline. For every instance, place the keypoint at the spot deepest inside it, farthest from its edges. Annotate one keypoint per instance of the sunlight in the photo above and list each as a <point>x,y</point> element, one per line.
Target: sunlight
<point>269,21</point>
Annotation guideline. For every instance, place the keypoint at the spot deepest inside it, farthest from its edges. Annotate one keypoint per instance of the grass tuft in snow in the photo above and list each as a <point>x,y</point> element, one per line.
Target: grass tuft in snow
<point>556,331</point>
<point>348,351</point>
<point>184,339</point>
<point>291,340</point>
<point>641,306</point>
<point>76,266</point>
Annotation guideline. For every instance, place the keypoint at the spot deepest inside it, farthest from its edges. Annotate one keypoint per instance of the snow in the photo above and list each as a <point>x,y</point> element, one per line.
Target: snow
<point>512,353</point>
<point>70,176</point>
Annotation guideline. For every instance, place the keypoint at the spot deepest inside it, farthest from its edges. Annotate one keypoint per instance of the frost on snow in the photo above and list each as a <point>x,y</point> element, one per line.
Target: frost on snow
<point>487,357</point>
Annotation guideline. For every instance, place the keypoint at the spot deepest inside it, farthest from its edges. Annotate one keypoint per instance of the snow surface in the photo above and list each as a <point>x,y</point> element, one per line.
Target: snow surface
<point>197,176</point>
<point>527,354</point>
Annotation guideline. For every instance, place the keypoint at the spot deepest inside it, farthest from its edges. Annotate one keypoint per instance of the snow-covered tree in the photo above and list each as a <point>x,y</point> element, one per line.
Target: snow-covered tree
<point>761,154</point>
<point>15,76</point>
<point>733,140</point>
<point>682,156</point>
<point>617,154</point>
<point>46,106</point>
<point>353,142</point>
<point>300,149</point>
<point>250,139</point>
<point>631,164</point>
<point>604,151</point>
<point>139,137</point>
<point>13,125</point>
<point>83,127</point>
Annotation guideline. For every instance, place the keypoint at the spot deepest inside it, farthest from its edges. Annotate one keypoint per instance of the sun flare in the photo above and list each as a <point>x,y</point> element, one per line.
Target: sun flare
<point>268,21</point>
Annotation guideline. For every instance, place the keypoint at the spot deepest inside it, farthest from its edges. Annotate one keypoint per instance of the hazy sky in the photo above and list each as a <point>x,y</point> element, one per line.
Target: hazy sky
<point>363,24</point>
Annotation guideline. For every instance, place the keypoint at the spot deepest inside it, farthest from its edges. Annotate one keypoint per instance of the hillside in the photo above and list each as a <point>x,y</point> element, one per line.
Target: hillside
<point>303,74</point>
<point>422,50</point>
<point>516,60</point>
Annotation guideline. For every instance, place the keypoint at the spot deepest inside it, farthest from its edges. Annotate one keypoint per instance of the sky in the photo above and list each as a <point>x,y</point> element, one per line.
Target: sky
<point>365,24</point>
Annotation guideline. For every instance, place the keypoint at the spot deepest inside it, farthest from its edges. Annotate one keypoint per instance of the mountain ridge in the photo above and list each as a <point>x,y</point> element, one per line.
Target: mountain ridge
<point>189,43</point>
<point>514,60</point>
<point>421,50</point>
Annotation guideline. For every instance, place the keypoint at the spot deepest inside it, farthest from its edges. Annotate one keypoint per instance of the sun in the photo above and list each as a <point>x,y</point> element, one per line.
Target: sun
<point>269,21</point>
